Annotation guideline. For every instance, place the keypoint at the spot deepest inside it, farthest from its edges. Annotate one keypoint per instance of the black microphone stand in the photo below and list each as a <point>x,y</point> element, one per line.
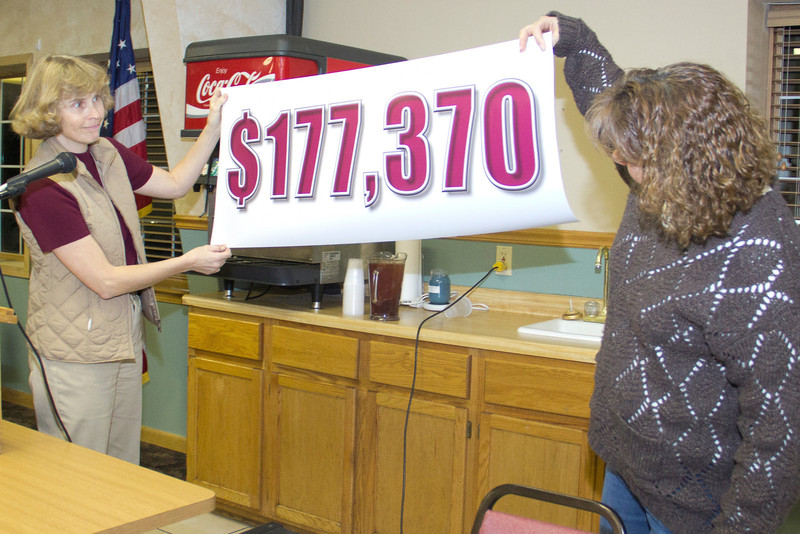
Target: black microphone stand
<point>64,162</point>
<point>7,314</point>
<point>12,190</point>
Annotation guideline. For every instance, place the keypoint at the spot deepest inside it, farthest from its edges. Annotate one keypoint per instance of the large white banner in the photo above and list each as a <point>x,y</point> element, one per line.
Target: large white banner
<point>450,145</point>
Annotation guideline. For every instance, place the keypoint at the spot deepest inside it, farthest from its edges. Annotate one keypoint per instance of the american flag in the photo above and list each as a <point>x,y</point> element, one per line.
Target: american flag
<point>125,123</point>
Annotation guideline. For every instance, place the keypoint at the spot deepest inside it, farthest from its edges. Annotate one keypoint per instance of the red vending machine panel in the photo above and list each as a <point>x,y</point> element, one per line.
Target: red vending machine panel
<point>261,59</point>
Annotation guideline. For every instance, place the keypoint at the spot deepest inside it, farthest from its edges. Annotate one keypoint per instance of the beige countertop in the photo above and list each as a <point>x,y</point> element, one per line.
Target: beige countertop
<point>495,329</point>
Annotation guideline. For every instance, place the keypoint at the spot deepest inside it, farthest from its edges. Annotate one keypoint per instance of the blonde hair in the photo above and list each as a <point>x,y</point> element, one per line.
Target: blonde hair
<point>36,114</point>
<point>705,154</point>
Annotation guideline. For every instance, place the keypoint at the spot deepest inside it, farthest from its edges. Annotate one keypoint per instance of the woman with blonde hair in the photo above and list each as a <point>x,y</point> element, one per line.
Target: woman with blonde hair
<point>90,283</point>
<point>696,406</point>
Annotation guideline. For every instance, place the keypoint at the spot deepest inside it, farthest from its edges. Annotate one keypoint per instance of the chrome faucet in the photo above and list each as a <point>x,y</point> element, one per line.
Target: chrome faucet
<point>602,257</point>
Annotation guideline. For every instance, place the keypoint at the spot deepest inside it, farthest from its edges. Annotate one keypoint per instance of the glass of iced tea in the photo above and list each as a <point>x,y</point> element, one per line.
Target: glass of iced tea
<point>385,285</point>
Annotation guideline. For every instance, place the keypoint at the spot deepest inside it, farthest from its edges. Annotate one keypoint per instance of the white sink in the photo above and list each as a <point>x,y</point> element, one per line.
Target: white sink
<point>566,330</point>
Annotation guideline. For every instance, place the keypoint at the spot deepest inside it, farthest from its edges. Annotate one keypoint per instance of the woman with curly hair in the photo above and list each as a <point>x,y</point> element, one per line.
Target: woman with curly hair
<point>90,282</point>
<point>696,407</point>
<point>703,153</point>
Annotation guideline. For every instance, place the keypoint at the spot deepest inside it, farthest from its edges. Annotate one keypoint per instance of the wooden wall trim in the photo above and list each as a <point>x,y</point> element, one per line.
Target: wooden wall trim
<point>548,237</point>
<point>191,222</point>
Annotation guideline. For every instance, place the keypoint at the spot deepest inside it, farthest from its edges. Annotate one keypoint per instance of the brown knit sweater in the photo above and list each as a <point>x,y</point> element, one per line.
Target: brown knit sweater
<point>697,389</point>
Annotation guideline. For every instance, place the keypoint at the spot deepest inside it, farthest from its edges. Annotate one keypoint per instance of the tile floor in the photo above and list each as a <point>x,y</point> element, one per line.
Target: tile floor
<point>211,523</point>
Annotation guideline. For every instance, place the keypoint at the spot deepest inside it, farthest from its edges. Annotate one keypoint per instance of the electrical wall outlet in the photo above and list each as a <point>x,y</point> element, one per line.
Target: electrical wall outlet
<point>504,255</point>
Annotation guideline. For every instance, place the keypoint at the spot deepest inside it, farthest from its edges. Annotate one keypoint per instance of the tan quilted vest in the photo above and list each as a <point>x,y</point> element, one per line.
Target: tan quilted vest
<point>67,321</point>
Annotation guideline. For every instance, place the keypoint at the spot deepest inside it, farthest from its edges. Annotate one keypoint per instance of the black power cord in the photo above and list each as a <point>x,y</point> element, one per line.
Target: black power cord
<point>499,266</point>
<point>41,365</point>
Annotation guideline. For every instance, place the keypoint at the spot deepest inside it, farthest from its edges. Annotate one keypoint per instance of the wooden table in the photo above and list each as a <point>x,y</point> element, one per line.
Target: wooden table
<point>7,316</point>
<point>50,485</point>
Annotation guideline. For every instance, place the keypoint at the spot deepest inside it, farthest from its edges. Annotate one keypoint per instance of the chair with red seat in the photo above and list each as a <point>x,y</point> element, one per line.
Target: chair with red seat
<point>488,521</point>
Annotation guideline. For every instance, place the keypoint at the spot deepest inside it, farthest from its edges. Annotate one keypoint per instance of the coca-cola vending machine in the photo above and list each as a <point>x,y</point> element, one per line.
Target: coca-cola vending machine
<point>260,59</point>
<point>263,59</point>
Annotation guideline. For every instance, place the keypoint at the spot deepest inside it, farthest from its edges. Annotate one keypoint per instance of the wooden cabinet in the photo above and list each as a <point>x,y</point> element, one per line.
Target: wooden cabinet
<point>438,430</point>
<point>224,449</point>
<point>436,452</point>
<point>534,432</point>
<point>229,335</point>
<point>558,387</point>
<point>308,424</point>
<point>543,455</point>
<point>225,399</point>
<point>311,453</point>
<point>313,417</point>
<point>440,369</point>
<point>314,349</point>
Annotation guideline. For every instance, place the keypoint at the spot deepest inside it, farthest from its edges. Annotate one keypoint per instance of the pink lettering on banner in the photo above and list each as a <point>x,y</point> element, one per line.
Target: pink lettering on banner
<point>278,133</point>
<point>408,170</point>
<point>348,115</point>
<point>371,187</point>
<point>311,120</point>
<point>510,147</point>
<point>460,102</point>
<point>244,179</point>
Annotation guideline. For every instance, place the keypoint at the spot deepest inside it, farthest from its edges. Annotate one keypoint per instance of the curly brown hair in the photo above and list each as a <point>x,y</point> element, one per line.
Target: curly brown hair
<point>36,114</point>
<point>705,154</point>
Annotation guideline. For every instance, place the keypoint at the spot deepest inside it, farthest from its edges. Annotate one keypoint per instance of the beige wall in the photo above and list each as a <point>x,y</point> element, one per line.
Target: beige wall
<point>728,34</point>
<point>171,26</point>
<point>643,33</point>
<point>43,27</point>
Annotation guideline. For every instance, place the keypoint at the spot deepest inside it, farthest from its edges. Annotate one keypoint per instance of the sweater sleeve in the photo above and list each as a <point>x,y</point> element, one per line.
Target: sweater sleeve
<point>756,333</point>
<point>764,483</point>
<point>589,68</point>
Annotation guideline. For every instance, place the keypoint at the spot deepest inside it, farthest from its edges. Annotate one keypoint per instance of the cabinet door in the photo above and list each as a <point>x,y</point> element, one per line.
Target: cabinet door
<point>229,334</point>
<point>311,450</point>
<point>224,444</point>
<point>436,448</point>
<point>543,455</point>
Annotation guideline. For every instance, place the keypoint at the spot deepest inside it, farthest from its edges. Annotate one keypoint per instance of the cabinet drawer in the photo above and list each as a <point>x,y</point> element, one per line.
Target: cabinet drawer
<point>225,335</point>
<point>552,386</point>
<point>442,370</point>
<point>315,350</point>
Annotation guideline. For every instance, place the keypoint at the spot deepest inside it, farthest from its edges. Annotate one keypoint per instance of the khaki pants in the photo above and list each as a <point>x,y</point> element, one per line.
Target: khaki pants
<point>100,404</point>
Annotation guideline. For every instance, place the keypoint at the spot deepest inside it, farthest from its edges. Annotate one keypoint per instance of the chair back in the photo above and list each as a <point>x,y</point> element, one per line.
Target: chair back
<point>488,521</point>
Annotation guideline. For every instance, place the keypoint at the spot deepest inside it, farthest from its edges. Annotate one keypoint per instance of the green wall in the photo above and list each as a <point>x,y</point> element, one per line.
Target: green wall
<point>535,269</point>
<point>13,350</point>
<point>164,396</point>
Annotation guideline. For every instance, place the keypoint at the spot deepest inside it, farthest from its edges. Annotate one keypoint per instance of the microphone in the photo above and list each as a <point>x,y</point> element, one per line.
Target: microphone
<point>64,162</point>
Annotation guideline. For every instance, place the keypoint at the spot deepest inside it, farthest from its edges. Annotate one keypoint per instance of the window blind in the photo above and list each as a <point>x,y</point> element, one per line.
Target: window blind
<point>785,110</point>
<point>161,236</point>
